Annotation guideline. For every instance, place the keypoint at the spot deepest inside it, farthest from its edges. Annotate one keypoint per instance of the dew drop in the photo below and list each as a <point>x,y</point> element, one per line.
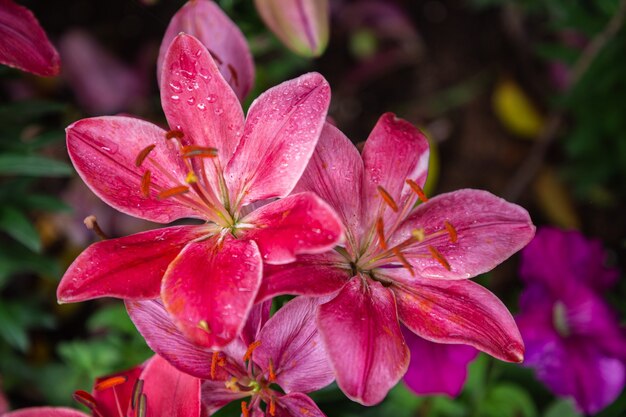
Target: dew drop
<point>211,98</point>
<point>204,74</point>
<point>191,101</point>
<point>175,86</point>
<point>175,97</point>
<point>201,106</point>
<point>219,111</point>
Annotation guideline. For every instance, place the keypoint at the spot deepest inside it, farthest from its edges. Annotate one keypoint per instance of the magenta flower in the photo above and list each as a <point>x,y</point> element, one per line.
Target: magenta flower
<point>155,389</point>
<point>23,43</point>
<point>285,350</point>
<point>205,20</point>
<point>436,368</point>
<point>573,339</point>
<point>400,263</point>
<point>211,166</point>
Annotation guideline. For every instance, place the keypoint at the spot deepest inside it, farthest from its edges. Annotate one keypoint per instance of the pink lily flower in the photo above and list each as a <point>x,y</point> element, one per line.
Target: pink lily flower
<point>285,350</point>
<point>152,390</point>
<point>212,167</point>
<point>401,262</point>
<point>23,42</point>
<point>228,46</point>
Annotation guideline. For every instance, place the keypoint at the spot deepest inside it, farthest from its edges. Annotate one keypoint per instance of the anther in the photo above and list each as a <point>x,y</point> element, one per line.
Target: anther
<point>417,190</point>
<point>137,390</point>
<point>439,257</point>
<point>380,230</point>
<point>171,192</point>
<point>451,231</point>
<point>143,155</point>
<point>191,178</point>
<point>85,399</point>
<point>251,348</point>
<point>174,134</point>
<point>110,382</point>
<point>403,261</point>
<point>387,198</point>
<point>145,184</point>
<point>418,234</point>
<point>191,151</point>
<point>272,406</point>
<point>272,374</point>
<point>244,409</point>
<point>214,362</point>
<point>141,410</point>
<point>92,224</point>
<point>203,325</point>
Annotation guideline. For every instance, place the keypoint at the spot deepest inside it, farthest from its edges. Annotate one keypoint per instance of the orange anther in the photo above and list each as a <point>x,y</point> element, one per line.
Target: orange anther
<point>251,348</point>
<point>145,184</point>
<point>387,198</point>
<point>174,134</point>
<point>272,374</point>
<point>181,189</point>
<point>451,231</point>
<point>403,261</point>
<point>417,190</point>
<point>110,382</point>
<point>143,155</point>
<point>380,230</point>
<point>85,399</point>
<point>272,406</point>
<point>200,151</point>
<point>439,257</point>
<point>191,178</point>
<point>214,362</point>
<point>244,409</point>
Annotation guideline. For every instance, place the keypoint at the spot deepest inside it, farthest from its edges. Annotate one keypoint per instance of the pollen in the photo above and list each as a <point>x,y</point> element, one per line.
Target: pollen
<point>454,236</point>
<point>439,257</point>
<point>380,230</point>
<point>244,409</point>
<point>214,362</point>
<point>203,325</point>
<point>251,348</point>
<point>85,399</point>
<point>174,134</point>
<point>272,374</point>
<point>272,406</point>
<point>418,234</point>
<point>143,155</point>
<point>110,382</point>
<point>403,261</point>
<point>387,198</point>
<point>145,184</point>
<point>191,151</point>
<point>171,192</point>
<point>191,178</point>
<point>417,190</point>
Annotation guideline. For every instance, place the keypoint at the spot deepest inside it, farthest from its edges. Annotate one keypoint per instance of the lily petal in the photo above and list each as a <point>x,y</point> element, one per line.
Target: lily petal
<point>335,173</point>
<point>205,20</point>
<point>259,315</point>
<point>130,267</point>
<point>394,152</point>
<point>280,135</point>
<point>298,224</point>
<point>45,412</point>
<point>317,275</point>
<point>215,395</point>
<point>291,343</point>
<point>488,230</point>
<point>168,391</point>
<point>302,25</point>
<point>457,312</point>
<point>197,100</point>
<point>109,398</point>
<point>23,42</point>
<point>210,287</point>
<point>362,336</point>
<point>104,152</point>
<point>297,405</point>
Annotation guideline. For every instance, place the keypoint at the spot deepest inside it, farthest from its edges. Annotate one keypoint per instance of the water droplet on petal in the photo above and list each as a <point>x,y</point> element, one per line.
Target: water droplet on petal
<point>219,111</point>
<point>175,86</point>
<point>175,97</point>
<point>211,98</point>
<point>191,100</point>
<point>201,106</point>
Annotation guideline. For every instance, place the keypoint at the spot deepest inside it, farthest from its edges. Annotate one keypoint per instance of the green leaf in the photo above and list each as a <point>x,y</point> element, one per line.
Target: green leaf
<point>18,226</point>
<point>111,318</point>
<point>507,400</point>
<point>11,329</point>
<point>17,259</point>
<point>32,165</point>
<point>24,111</point>
<point>45,203</point>
<point>562,408</point>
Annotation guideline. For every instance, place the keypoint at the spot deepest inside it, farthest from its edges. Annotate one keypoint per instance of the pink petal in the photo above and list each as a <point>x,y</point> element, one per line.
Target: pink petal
<point>291,342</point>
<point>394,152</point>
<point>302,25</point>
<point>362,336</point>
<point>298,224</point>
<point>215,395</point>
<point>297,405</point>
<point>23,43</point>
<point>197,100</point>
<point>282,129</point>
<point>210,287</point>
<point>45,412</point>
<point>437,368</point>
<point>204,20</point>
<point>335,173</point>
<point>168,391</point>
<point>104,151</point>
<point>108,399</point>
<point>130,267</point>
<point>319,274</point>
<point>488,229</point>
<point>259,315</point>
<point>457,312</point>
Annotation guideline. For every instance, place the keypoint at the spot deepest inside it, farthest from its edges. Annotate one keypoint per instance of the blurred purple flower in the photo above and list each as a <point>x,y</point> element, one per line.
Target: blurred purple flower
<point>436,368</point>
<point>572,337</point>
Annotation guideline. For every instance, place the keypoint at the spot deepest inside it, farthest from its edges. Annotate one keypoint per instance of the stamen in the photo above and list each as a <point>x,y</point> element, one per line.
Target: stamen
<point>191,178</point>
<point>137,389</point>
<point>272,406</point>
<point>417,190</point>
<point>181,189</point>
<point>418,234</point>
<point>387,198</point>
<point>145,184</point>
<point>439,257</point>
<point>191,151</point>
<point>380,230</point>
<point>110,382</point>
<point>85,399</point>
<point>92,224</point>
<point>251,348</point>
<point>244,409</point>
<point>203,325</point>
<point>272,374</point>
<point>451,231</point>
<point>141,411</point>
<point>143,155</point>
<point>232,385</point>
<point>174,134</point>
<point>403,261</point>
<point>214,361</point>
